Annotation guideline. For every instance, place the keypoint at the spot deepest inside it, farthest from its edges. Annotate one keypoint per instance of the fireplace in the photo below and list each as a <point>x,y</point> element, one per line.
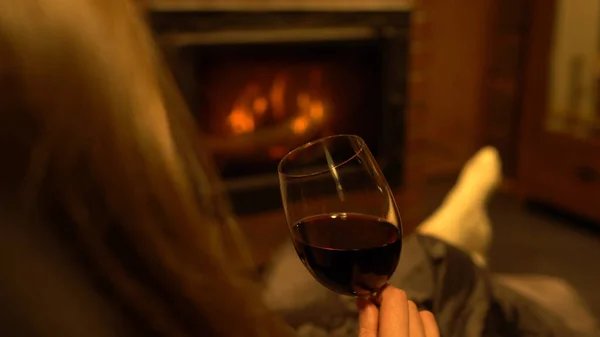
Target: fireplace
<point>261,83</point>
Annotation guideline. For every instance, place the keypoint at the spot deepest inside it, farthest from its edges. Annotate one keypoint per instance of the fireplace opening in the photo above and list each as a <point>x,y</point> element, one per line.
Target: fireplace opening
<point>262,83</point>
<point>256,103</point>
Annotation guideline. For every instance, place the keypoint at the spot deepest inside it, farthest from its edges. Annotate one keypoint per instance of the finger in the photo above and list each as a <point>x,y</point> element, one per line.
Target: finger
<point>368,318</point>
<point>393,313</point>
<point>415,326</point>
<point>429,324</point>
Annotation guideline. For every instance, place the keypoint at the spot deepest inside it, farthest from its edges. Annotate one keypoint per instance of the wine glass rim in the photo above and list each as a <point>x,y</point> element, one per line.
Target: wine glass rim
<point>361,142</point>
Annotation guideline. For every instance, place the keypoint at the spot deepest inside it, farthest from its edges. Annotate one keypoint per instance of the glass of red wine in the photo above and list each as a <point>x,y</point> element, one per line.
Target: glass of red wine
<point>343,218</point>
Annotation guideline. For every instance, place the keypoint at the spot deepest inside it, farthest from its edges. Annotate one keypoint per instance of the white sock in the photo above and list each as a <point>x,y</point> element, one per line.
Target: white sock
<point>462,218</point>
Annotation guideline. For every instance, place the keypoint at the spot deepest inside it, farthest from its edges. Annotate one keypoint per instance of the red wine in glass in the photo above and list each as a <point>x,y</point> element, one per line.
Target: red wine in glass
<point>351,254</point>
<point>343,219</point>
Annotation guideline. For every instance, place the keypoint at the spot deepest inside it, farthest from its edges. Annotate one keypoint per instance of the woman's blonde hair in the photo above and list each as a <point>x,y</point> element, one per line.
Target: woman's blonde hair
<point>97,142</point>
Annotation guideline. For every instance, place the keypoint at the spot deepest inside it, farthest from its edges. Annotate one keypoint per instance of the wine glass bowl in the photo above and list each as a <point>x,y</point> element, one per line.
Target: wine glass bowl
<point>343,219</point>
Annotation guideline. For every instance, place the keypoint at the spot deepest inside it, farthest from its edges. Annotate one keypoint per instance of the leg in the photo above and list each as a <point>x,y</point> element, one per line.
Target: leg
<point>462,220</point>
<point>444,279</point>
<point>434,274</point>
<point>437,271</point>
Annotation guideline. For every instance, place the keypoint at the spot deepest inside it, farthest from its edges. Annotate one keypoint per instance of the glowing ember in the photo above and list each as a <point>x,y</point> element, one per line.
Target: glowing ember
<point>316,110</point>
<point>300,125</point>
<point>303,100</point>
<point>260,106</point>
<point>241,121</point>
<point>277,96</point>
<point>270,107</point>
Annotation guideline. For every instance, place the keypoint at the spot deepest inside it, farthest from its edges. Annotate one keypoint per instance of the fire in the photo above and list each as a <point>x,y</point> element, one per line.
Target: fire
<point>303,100</point>
<point>241,121</point>
<point>260,105</point>
<point>273,107</point>
<point>316,110</point>
<point>300,124</point>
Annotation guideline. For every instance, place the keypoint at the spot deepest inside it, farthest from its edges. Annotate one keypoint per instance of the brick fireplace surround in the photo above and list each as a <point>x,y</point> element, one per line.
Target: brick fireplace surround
<point>266,231</point>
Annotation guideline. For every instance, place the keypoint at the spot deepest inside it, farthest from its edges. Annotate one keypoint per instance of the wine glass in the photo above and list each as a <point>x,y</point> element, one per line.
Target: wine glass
<point>343,219</point>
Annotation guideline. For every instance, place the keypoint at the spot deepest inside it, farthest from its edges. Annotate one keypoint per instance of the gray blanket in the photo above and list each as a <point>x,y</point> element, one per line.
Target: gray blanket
<point>465,299</point>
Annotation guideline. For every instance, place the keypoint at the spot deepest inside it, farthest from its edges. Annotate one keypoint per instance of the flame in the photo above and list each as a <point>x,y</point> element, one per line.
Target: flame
<point>316,110</point>
<point>300,124</point>
<point>277,96</point>
<point>303,100</point>
<point>258,106</point>
<point>241,121</point>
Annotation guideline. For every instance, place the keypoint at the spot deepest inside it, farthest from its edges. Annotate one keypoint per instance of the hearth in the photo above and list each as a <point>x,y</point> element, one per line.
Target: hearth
<point>263,82</point>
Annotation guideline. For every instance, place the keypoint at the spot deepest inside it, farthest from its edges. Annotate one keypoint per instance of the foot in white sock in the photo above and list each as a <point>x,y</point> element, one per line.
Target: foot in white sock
<point>462,219</point>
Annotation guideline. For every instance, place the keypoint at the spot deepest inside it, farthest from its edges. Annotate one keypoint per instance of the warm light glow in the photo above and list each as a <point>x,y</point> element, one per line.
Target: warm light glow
<point>277,152</point>
<point>299,125</point>
<point>240,121</point>
<point>260,106</point>
<point>277,96</point>
<point>267,106</point>
<point>303,101</point>
<point>316,110</point>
